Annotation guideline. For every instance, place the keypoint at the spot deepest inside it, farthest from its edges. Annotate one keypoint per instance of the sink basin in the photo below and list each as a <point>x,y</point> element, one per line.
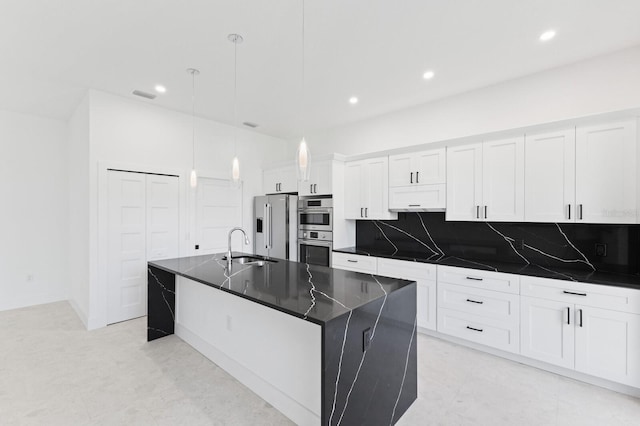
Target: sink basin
<point>250,260</point>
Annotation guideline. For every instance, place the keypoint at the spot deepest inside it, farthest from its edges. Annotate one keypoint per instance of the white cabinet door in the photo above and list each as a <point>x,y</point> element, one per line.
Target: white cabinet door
<point>608,344</point>
<point>270,181</point>
<point>606,178</point>
<point>503,180</point>
<point>320,180</point>
<point>430,167</point>
<point>401,170</point>
<point>464,182</point>
<point>376,186</point>
<point>549,184</point>
<point>353,191</point>
<point>288,179</point>
<point>425,277</point>
<point>354,262</point>
<point>547,331</point>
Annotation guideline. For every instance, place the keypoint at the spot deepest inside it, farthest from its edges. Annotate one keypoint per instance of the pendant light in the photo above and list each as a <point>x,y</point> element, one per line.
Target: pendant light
<point>194,177</point>
<point>303,156</point>
<point>236,39</point>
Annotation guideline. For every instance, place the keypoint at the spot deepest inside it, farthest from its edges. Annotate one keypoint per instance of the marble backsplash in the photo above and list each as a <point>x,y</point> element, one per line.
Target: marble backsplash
<point>585,247</point>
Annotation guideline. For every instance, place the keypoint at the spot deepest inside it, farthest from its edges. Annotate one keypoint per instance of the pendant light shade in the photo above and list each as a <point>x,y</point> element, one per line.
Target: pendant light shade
<point>235,171</point>
<point>193,178</point>
<point>303,158</point>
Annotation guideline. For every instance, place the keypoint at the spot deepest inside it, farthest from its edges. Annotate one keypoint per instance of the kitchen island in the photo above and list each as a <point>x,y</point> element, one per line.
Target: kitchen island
<point>324,346</point>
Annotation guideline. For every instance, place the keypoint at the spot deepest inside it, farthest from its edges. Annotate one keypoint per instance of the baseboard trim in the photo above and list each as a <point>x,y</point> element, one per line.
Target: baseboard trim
<point>572,374</point>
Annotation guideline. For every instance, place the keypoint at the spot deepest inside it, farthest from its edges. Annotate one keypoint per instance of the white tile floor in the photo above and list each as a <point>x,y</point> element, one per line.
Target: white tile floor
<point>53,372</point>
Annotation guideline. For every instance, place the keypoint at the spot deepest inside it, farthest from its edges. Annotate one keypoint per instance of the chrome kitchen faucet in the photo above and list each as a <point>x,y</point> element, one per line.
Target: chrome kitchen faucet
<point>246,241</point>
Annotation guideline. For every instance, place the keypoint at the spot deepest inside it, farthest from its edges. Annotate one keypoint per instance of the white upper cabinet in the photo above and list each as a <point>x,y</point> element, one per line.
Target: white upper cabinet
<point>417,180</point>
<point>279,179</point>
<point>550,177</point>
<point>485,182</point>
<point>320,180</point>
<point>606,173</point>
<point>464,182</point>
<point>503,180</point>
<point>367,189</point>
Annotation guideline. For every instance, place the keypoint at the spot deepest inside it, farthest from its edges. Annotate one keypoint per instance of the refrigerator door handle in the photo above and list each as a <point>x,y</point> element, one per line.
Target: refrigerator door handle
<point>267,226</point>
<point>270,226</point>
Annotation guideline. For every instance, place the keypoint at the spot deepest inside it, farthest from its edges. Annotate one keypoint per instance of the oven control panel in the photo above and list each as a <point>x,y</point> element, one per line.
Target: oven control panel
<point>315,235</point>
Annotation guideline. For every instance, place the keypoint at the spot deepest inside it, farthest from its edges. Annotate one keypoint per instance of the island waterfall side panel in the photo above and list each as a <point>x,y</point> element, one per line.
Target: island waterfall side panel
<point>161,300</point>
<point>377,385</point>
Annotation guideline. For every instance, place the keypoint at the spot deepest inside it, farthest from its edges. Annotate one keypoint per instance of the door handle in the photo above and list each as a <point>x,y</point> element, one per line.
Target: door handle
<point>580,317</point>
<point>315,188</point>
<point>477,212</point>
<point>475,329</point>
<point>411,178</point>
<point>574,293</point>
<point>366,214</point>
<point>580,211</point>
<point>479,302</point>
<point>569,209</point>
<point>311,188</point>
<point>568,315</point>
<point>352,261</point>
<point>417,177</point>
<point>266,226</point>
<point>474,278</point>
<point>361,210</point>
<point>485,212</point>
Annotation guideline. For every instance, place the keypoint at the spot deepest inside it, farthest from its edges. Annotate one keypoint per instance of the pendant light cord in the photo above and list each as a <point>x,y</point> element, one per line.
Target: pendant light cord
<point>193,118</point>
<point>303,76</point>
<point>235,98</point>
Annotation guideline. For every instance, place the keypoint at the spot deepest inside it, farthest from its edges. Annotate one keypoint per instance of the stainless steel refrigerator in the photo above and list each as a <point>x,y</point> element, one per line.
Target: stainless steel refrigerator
<point>276,226</point>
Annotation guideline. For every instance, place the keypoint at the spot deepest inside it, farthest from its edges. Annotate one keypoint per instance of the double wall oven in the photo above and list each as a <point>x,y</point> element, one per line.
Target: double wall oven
<point>315,230</point>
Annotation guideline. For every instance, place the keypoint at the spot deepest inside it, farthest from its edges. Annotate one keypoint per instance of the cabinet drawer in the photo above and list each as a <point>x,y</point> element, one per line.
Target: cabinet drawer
<point>488,280</point>
<point>355,262</point>
<point>418,197</point>
<point>596,295</point>
<point>406,269</point>
<point>484,303</point>
<point>486,331</point>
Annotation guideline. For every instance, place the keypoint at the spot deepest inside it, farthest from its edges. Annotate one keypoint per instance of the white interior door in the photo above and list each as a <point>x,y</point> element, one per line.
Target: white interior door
<point>218,209</point>
<point>163,220</point>
<point>143,225</point>
<point>127,272</point>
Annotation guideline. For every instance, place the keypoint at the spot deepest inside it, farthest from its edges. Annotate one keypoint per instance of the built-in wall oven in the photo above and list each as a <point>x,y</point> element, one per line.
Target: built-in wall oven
<point>315,247</point>
<point>315,230</point>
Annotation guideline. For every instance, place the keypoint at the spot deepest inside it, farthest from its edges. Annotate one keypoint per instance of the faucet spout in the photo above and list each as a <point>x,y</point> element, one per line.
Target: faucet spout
<point>246,241</point>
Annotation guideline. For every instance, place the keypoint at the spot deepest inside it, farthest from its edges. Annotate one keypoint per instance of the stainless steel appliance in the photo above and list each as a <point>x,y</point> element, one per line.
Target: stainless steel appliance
<point>276,226</point>
<point>315,247</point>
<point>315,214</point>
<point>315,233</point>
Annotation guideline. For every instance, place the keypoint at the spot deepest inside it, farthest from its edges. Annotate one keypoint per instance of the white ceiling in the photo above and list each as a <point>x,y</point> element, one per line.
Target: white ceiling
<point>52,51</point>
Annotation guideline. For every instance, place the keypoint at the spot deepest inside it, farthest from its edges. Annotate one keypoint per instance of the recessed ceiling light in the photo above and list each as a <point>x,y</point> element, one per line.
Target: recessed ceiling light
<point>428,75</point>
<point>547,35</point>
<point>353,100</point>
<point>160,88</point>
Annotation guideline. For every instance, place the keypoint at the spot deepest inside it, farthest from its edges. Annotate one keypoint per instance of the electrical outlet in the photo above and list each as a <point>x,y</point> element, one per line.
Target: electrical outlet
<point>601,249</point>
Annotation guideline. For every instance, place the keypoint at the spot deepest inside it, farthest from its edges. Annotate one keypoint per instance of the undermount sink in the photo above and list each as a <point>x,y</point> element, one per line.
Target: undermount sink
<point>250,260</point>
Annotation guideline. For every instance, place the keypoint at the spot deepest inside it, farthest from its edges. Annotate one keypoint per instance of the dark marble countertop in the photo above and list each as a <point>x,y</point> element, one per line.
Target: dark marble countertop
<point>589,276</point>
<point>314,293</point>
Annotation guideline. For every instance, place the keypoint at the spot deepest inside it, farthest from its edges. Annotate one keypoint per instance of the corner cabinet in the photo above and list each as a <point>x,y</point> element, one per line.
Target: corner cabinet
<point>417,180</point>
<point>366,189</point>
<point>279,179</point>
<point>485,181</point>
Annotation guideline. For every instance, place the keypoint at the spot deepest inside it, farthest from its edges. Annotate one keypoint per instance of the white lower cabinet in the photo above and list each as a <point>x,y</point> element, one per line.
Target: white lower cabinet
<point>480,306</point>
<point>424,275</point>
<point>579,329</point>
<point>354,262</point>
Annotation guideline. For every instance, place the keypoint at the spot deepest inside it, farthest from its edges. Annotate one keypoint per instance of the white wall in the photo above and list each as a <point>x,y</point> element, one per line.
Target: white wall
<point>78,193</point>
<point>603,84</point>
<point>138,136</point>
<point>33,190</point>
